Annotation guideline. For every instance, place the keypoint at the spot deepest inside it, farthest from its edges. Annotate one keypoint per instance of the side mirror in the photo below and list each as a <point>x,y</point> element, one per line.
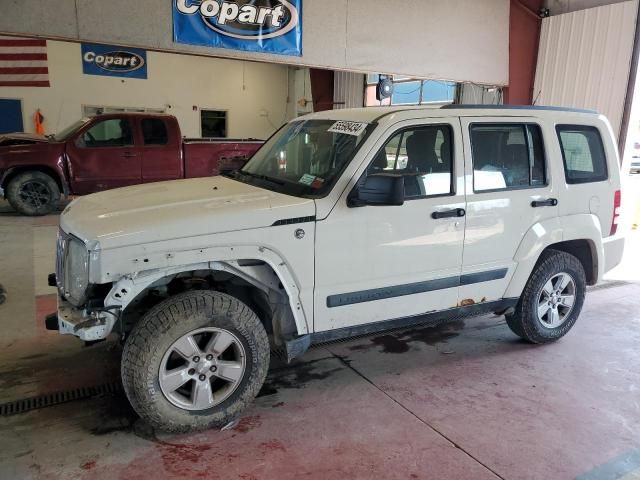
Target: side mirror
<point>378,190</point>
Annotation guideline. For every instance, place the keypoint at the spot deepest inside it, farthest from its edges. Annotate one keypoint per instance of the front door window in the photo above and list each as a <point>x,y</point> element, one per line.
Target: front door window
<point>115,132</point>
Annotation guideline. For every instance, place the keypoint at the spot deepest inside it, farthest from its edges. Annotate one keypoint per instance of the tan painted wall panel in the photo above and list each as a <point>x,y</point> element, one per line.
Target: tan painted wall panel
<point>253,94</point>
<point>465,40</point>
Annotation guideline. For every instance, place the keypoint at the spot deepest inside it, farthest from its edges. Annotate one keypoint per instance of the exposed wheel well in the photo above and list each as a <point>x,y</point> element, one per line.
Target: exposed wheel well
<point>34,168</point>
<point>272,309</point>
<point>584,251</point>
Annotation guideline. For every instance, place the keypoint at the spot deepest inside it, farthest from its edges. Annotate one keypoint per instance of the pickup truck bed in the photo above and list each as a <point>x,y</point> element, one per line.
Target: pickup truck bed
<point>208,157</point>
<point>108,151</point>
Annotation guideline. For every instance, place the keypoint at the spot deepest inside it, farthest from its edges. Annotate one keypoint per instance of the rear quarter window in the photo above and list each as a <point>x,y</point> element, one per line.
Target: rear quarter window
<point>582,154</point>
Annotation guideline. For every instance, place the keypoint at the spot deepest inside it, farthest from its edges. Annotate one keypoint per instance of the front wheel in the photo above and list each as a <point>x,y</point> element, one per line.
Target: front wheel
<point>552,299</point>
<point>195,361</point>
<point>33,193</point>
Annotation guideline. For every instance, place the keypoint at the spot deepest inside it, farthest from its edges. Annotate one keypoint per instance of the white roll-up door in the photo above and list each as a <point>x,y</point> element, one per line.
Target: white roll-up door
<point>584,59</point>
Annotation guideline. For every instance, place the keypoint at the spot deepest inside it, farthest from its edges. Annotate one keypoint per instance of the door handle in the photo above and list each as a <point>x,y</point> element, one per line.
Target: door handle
<point>549,202</point>
<point>456,212</point>
<point>129,155</point>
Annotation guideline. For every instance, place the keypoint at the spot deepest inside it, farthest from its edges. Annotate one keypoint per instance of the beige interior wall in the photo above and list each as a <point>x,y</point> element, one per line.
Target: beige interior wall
<point>254,94</point>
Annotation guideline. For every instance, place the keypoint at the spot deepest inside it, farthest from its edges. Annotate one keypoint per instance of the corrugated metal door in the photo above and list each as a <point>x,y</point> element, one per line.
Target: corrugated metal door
<point>348,90</point>
<point>584,59</point>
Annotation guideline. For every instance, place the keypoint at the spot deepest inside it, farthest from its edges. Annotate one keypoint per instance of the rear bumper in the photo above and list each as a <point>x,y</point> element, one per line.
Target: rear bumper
<point>613,249</point>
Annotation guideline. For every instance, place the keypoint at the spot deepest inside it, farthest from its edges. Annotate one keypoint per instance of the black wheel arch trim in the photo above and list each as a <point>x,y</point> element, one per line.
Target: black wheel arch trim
<point>12,171</point>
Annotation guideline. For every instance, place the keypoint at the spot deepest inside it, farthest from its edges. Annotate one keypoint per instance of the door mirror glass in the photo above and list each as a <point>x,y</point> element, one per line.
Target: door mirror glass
<point>378,190</point>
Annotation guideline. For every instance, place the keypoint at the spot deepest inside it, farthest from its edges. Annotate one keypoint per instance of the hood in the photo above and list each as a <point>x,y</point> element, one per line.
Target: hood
<point>177,209</point>
<point>11,139</point>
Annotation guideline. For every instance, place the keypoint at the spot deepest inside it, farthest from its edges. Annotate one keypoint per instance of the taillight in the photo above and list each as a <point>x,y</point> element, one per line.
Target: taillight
<point>617,197</point>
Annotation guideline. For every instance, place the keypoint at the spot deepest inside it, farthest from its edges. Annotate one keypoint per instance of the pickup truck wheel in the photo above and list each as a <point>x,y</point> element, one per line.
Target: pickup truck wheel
<point>195,361</point>
<point>33,193</point>
<point>552,299</point>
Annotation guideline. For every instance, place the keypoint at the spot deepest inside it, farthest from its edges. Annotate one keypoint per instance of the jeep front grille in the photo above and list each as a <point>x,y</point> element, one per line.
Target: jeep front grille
<point>61,259</point>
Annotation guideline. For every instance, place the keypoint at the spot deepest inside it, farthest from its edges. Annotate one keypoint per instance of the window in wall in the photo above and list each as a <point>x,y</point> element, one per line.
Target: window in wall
<point>115,132</point>
<point>507,156</point>
<point>91,110</point>
<point>154,131</point>
<point>213,123</point>
<point>423,155</point>
<point>583,154</point>
<point>409,91</point>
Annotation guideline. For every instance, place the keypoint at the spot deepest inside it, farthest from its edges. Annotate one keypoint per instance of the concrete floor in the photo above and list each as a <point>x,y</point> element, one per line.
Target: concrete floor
<point>467,400</point>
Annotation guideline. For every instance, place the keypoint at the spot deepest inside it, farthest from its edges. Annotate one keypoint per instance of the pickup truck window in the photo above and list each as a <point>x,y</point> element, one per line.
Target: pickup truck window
<point>507,156</point>
<point>113,132</point>
<point>154,131</point>
<point>583,154</point>
<point>423,156</point>
<point>305,158</point>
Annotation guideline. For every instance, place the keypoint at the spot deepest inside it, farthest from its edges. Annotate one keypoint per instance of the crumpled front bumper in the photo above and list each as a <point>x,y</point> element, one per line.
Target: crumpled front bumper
<point>88,326</point>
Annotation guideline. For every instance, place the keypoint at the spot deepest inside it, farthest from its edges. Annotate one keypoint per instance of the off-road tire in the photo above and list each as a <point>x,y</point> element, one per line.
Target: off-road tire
<point>524,321</point>
<point>164,324</point>
<point>46,185</point>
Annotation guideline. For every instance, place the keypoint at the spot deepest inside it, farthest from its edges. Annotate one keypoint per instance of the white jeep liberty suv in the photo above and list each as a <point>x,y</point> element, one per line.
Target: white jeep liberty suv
<point>345,222</point>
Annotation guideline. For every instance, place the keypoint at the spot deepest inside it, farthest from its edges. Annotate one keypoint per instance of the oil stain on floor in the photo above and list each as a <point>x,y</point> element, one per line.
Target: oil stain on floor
<point>400,342</point>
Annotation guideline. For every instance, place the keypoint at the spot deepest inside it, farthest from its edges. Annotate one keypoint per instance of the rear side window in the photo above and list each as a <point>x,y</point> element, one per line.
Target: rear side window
<point>582,153</point>
<point>507,156</point>
<point>154,131</point>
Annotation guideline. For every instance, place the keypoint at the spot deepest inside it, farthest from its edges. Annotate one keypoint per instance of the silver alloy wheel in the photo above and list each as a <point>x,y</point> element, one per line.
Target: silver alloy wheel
<point>556,300</point>
<point>202,368</point>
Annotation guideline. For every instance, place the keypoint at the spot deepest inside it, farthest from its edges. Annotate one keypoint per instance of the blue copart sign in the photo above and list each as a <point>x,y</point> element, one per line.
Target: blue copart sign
<point>268,26</point>
<point>114,61</point>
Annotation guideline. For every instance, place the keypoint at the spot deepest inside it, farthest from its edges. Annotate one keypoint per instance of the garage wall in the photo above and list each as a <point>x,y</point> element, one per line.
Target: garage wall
<point>584,59</point>
<point>254,94</point>
<point>462,40</point>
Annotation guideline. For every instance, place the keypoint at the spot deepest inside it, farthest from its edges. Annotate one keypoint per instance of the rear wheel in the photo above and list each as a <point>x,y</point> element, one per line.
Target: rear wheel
<point>552,299</point>
<point>33,193</point>
<point>195,361</point>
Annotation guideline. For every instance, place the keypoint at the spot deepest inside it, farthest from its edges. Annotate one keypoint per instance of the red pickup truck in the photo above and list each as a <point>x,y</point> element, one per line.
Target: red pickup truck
<point>108,151</point>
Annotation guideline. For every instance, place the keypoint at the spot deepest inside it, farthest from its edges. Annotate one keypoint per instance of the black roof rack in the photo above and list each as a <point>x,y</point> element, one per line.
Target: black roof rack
<point>517,107</point>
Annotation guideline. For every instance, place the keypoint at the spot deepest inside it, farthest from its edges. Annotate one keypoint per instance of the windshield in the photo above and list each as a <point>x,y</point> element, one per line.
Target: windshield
<point>64,134</point>
<point>304,158</point>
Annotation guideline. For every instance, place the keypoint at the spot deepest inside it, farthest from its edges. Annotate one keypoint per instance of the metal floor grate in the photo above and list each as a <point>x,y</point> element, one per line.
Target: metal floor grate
<point>56,398</point>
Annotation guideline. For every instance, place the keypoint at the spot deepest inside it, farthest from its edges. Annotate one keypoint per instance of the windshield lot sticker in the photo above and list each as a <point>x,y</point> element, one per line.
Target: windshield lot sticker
<point>348,128</point>
<point>307,179</point>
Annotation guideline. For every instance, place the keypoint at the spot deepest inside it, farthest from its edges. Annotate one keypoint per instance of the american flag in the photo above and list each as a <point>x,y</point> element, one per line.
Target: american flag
<point>23,62</point>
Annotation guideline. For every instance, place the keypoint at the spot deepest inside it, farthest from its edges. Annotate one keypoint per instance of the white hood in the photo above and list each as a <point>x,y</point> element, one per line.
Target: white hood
<point>177,209</point>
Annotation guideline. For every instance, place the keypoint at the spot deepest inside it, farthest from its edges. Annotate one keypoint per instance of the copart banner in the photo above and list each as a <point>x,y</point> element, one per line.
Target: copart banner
<point>268,26</point>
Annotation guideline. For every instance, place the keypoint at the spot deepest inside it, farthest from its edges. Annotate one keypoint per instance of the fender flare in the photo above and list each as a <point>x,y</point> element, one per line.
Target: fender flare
<point>128,287</point>
<point>547,233</point>
<point>60,179</point>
